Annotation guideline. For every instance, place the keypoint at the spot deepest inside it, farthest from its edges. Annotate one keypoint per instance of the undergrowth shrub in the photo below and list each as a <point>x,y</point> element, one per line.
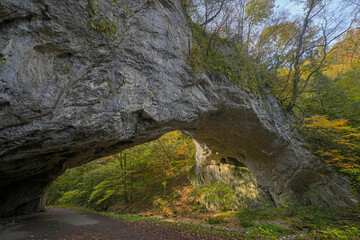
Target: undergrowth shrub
<point>217,196</point>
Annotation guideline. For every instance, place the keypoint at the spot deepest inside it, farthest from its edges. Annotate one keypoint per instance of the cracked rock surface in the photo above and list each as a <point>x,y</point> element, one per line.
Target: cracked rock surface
<point>85,79</point>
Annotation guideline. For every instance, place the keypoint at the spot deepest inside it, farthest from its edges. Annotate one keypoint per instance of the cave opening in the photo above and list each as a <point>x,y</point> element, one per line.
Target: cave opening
<point>142,178</point>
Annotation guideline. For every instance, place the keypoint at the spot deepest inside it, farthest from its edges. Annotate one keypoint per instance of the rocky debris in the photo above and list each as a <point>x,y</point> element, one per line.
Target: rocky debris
<point>85,79</point>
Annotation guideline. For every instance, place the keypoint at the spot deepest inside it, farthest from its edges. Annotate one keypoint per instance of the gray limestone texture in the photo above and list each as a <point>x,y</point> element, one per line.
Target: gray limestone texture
<point>84,79</point>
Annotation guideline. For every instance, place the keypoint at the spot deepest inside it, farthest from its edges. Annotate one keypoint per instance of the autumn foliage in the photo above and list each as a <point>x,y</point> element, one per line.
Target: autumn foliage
<point>137,178</point>
<point>337,143</point>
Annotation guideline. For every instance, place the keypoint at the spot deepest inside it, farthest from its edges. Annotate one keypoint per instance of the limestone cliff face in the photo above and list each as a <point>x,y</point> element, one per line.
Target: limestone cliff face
<point>84,79</point>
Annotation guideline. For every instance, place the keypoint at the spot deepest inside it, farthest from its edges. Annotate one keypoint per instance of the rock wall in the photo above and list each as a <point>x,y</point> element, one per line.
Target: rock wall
<point>85,79</point>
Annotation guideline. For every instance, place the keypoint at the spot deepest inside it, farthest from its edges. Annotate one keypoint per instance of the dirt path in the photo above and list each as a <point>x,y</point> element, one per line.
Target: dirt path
<point>70,224</point>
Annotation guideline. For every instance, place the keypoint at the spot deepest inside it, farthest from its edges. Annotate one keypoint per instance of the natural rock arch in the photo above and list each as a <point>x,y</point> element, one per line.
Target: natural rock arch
<point>83,80</point>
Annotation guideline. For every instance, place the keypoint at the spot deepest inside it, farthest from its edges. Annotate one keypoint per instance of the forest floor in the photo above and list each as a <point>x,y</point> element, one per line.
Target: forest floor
<point>291,222</point>
<point>72,224</point>
<point>294,222</point>
<point>180,212</point>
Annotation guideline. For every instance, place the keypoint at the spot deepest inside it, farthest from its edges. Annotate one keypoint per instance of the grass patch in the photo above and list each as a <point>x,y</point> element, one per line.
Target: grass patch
<point>276,229</point>
<point>247,224</point>
<point>304,222</point>
<point>263,214</point>
<point>342,233</point>
<point>316,216</point>
<point>217,220</point>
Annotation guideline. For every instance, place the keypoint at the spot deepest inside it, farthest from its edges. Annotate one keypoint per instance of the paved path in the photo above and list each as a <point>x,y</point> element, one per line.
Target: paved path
<point>70,224</point>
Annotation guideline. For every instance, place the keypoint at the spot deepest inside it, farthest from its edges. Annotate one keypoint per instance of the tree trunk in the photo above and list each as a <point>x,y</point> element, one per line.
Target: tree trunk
<point>298,55</point>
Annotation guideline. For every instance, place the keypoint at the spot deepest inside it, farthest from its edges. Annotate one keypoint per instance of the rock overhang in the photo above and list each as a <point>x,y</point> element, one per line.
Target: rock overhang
<point>82,80</point>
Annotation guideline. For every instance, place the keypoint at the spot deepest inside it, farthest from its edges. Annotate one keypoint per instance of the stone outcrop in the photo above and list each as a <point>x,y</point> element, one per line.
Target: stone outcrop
<point>85,79</point>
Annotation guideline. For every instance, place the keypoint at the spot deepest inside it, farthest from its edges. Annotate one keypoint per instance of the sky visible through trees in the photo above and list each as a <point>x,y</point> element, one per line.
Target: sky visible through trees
<point>292,7</point>
<point>296,44</point>
<point>295,8</point>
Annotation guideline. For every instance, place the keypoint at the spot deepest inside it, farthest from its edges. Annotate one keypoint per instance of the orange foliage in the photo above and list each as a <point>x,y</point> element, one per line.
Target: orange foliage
<point>341,147</point>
